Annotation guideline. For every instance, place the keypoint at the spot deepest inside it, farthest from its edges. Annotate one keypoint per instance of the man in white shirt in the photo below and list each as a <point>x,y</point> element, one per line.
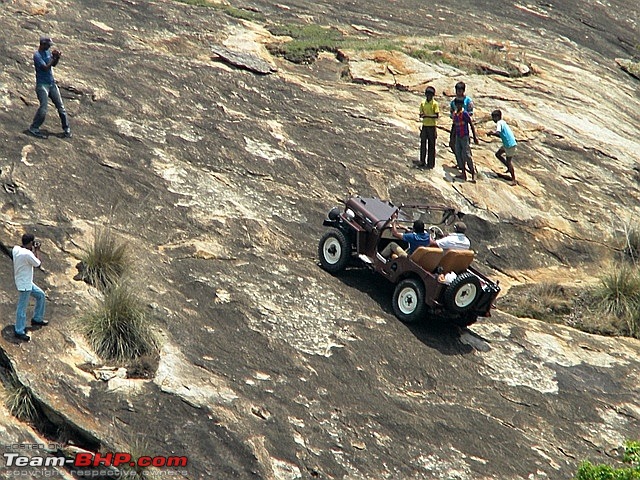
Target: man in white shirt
<point>457,239</point>
<point>26,257</point>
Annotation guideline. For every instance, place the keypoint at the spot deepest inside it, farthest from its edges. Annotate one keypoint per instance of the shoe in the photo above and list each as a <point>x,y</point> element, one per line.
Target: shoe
<point>67,132</point>
<point>39,324</point>
<point>36,133</point>
<point>461,177</point>
<point>22,336</point>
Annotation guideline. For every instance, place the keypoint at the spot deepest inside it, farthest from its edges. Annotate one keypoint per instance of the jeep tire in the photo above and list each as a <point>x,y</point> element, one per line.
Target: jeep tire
<point>408,300</point>
<point>463,293</point>
<point>334,251</point>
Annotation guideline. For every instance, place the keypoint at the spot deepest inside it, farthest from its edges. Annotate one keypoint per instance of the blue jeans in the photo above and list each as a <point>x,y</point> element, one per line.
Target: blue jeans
<point>44,92</point>
<point>23,301</point>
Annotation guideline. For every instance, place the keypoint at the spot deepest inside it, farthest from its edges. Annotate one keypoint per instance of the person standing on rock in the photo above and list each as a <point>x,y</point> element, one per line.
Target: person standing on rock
<point>44,60</point>
<point>462,123</point>
<point>26,257</point>
<point>468,107</point>
<point>509,145</point>
<point>429,113</point>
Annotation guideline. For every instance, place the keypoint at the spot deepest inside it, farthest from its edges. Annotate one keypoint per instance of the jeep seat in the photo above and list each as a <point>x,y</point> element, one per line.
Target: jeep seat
<point>456,261</point>
<point>427,257</point>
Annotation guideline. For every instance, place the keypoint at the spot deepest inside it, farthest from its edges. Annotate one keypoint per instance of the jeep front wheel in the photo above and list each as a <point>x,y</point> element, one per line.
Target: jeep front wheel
<point>334,251</point>
<point>408,300</point>
<point>463,293</point>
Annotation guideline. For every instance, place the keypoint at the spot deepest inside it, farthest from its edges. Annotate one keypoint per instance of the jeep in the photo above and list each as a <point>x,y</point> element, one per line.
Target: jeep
<point>429,282</point>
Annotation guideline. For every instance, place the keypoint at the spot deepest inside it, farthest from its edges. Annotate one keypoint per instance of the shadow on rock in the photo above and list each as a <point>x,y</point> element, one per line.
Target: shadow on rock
<point>8,335</point>
<point>444,337</point>
<point>434,332</point>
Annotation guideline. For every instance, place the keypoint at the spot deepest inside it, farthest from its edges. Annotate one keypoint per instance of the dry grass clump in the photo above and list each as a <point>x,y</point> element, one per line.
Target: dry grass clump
<point>472,54</point>
<point>543,301</point>
<point>19,400</point>
<point>618,297</point>
<point>118,328</point>
<point>106,260</point>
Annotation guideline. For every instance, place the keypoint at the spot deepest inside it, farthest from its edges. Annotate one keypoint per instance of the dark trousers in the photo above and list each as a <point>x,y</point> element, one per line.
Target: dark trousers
<point>428,137</point>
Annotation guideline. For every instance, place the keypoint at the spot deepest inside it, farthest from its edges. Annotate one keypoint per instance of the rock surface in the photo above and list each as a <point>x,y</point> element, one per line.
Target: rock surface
<point>219,178</point>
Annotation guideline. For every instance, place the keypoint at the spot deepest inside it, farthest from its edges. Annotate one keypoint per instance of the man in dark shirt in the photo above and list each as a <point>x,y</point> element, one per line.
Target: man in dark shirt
<point>44,61</point>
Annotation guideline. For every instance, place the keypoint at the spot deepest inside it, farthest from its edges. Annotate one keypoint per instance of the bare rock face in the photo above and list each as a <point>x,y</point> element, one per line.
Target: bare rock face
<point>629,66</point>
<point>217,164</point>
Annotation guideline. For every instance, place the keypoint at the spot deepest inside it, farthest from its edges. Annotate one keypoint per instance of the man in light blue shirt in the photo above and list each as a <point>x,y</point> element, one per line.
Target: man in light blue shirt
<point>509,145</point>
<point>44,60</point>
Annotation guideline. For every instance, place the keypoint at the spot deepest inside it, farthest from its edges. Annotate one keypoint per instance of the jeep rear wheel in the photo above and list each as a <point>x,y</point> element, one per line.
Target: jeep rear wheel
<point>408,300</point>
<point>463,293</point>
<point>334,251</point>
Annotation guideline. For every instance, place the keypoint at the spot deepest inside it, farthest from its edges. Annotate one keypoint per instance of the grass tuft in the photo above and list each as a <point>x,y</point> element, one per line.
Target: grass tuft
<point>106,260</point>
<point>118,328</point>
<point>618,295</point>
<point>19,400</point>
<point>631,246</point>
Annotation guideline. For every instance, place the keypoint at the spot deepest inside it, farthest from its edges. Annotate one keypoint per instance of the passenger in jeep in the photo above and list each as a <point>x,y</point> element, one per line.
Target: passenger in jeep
<point>456,240</point>
<point>416,238</point>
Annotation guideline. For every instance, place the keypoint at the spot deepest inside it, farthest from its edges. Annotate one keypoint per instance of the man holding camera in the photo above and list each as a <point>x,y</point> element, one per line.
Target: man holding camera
<point>26,257</point>
<point>44,60</point>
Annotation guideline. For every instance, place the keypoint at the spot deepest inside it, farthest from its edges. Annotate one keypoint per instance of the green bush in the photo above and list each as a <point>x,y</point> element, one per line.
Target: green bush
<point>631,456</point>
<point>308,41</point>
<point>106,260</point>
<point>118,328</point>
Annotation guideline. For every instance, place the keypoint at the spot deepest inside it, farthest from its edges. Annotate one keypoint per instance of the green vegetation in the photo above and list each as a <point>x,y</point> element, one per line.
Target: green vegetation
<point>118,328</point>
<point>19,400</point>
<point>308,41</point>
<point>631,457</point>
<point>106,260</point>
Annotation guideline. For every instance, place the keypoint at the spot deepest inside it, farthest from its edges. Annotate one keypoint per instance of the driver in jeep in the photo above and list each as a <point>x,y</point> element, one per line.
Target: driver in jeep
<point>455,240</point>
<point>416,238</point>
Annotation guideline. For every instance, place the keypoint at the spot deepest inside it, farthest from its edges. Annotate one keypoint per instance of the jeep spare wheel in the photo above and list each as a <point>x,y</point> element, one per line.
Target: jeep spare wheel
<point>334,251</point>
<point>408,300</point>
<point>463,292</point>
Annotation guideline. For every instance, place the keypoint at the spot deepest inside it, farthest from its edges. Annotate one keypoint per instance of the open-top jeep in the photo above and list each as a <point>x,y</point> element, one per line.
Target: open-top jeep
<point>430,281</point>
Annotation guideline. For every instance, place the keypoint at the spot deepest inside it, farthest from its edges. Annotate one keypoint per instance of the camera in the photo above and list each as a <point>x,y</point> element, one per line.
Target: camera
<point>36,244</point>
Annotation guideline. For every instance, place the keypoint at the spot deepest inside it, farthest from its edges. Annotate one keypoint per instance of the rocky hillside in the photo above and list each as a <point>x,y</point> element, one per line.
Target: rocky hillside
<point>217,162</point>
